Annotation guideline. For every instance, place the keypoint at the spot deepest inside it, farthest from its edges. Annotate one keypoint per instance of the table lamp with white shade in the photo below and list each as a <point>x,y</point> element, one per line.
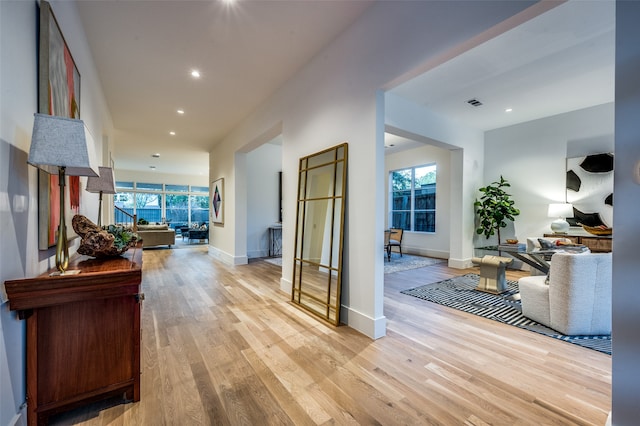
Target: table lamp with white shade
<point>560,211</point>
<point>63,146</point>
<point>103,184</point>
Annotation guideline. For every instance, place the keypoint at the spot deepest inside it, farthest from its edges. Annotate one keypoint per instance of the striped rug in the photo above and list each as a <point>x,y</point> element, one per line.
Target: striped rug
<point>459,293</point>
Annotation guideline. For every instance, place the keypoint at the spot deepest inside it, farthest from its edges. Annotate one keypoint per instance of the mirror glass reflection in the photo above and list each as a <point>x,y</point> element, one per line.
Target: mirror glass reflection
<point>319,233</point>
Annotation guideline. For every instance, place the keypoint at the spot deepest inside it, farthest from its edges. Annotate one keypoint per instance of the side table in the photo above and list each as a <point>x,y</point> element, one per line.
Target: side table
<point>275,240</point>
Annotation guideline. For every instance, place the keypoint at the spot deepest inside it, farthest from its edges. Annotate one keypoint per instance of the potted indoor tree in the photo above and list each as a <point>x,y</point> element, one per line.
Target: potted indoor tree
<point>494,208</point>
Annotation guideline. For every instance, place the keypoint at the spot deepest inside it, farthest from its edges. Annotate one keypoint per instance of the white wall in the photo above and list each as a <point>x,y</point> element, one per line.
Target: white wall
<point>263,203</point>
<point>466,159</point>
<point>333,99</point>
<point>18,182</point>
<point>532,157</point>
<point>426,244</point>
<point>155,177</point>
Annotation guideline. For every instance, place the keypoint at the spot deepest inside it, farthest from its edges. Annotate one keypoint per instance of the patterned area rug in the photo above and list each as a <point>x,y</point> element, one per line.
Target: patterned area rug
<point>407,261</point>
<point>273,260</point>
<point>459,293</point>
<point>396,264</point>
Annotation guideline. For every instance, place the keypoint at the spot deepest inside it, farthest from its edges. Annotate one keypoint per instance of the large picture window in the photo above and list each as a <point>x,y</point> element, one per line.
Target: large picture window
<point>413,198</point>
<point>177,205</point>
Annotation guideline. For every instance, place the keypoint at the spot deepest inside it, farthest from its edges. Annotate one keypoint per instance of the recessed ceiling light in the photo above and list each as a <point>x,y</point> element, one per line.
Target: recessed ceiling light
<point>152,167</point>
<point>180,111</point>
<point>172,133</point>
<point>156,155</point>
<point>508,110</point>
<point>195,73</point>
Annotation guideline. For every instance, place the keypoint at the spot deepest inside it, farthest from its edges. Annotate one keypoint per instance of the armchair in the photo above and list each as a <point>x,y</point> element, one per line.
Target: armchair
<point>577,298</point>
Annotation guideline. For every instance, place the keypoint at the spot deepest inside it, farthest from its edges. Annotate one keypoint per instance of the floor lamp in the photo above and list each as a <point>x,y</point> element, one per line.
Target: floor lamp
<point>103,184</point>
<point>63,146</point>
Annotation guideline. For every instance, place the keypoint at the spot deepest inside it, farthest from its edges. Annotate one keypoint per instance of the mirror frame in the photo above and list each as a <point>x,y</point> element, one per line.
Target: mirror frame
<point>311,270</point>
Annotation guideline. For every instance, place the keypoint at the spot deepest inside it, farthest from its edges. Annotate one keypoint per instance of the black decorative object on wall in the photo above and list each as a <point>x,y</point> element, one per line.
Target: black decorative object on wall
<point>590,189</point>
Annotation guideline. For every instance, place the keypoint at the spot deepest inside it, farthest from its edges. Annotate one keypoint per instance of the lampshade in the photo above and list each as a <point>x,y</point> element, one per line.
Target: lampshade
<point>62,142</point>
<point>63,146</point>
<point>104,183</point>
<point>563,210</point>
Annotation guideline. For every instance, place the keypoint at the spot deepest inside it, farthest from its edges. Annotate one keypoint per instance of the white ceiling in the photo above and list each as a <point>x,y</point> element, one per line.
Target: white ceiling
<point>144,51</point>
<point>560,61</point>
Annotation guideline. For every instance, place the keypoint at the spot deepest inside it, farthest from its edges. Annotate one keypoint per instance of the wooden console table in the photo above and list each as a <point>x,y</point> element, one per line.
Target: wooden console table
<point>595,243</point>
<point>83,333</point>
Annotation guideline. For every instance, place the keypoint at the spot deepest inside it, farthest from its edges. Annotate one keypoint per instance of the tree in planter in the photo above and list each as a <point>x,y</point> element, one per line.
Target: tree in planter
<point>494,208</point>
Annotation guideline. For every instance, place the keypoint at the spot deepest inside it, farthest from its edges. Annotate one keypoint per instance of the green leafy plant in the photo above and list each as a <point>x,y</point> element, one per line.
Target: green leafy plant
<point>494,208</point>
<point>124,237</point>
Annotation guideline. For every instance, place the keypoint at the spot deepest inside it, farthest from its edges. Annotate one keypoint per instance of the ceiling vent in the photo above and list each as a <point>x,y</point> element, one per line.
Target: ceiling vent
<point>474,102</point>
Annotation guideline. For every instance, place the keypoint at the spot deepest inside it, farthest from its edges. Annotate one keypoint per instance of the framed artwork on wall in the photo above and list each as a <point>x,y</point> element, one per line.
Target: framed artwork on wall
<point>59,95</point>
<point>590,189</point>
<point>217,201</point>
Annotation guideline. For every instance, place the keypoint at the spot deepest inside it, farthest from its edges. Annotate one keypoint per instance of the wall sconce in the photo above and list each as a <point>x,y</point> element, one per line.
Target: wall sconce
<point>63,146</point>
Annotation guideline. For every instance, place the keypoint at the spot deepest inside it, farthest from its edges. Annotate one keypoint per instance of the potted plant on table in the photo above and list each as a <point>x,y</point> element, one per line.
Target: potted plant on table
<point>494,208</point>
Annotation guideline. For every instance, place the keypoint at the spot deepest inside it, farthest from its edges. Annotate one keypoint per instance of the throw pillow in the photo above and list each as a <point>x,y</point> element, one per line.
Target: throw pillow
<point>546,244</point>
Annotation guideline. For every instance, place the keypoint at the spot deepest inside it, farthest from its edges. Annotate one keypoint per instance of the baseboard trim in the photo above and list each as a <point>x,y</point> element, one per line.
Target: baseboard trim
<point>227,258</point>
<point>371,327</point>
<point>17,420</point>
<point>460,263</point>
<point>286,285</point>
<point>419,251</point>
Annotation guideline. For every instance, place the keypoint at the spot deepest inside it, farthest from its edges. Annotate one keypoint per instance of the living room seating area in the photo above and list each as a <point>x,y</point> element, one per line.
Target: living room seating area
<point>156,235</point>
<point>575,298</point>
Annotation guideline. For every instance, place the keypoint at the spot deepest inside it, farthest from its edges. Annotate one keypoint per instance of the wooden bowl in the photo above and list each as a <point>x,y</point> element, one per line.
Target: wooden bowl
<point>512,241</point>
<point>598,230</point>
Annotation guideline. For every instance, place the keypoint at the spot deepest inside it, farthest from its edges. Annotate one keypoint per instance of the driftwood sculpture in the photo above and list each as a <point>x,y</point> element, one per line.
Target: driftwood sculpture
<point>98,242</point>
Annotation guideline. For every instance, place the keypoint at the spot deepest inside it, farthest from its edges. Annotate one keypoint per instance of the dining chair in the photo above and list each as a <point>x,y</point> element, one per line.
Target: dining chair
<point>395,240</point>
<point>387,247</point>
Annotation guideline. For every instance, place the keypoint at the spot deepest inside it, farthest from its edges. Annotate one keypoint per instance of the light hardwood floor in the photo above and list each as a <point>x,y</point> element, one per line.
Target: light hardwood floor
<point>222,345</point>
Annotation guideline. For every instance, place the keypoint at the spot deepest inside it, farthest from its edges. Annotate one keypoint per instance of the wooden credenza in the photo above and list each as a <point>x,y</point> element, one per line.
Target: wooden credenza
<point>83,333</point>
<point>595,243</point>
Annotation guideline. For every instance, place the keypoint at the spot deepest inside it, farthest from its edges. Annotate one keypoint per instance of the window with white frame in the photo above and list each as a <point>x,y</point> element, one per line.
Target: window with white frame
<point>412,198</point>
<point>178,205</point>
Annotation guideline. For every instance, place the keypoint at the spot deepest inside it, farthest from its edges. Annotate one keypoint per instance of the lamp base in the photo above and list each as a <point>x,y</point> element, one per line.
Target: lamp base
<point>58,273</point>
<point>560,226</point>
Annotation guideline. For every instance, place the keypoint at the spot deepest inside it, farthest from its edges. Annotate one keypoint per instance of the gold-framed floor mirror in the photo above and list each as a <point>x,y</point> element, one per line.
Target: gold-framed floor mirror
<point>317,268</point>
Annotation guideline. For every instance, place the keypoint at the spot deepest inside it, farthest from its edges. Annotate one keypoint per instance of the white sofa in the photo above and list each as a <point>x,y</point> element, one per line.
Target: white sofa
<point>576,299</point>
<point>156,235</point>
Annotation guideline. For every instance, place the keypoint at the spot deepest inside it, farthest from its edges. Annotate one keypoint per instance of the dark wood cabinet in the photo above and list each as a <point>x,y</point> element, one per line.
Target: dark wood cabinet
<point>83,333</point>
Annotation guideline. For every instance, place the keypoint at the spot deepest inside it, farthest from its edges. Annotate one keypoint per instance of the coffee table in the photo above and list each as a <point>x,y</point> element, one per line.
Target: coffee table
<point>538,259</point>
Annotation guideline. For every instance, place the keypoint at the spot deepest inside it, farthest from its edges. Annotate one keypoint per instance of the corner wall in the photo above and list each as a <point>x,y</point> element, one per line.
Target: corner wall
<point>334,99</point>
<point>422,243</point>
<point>263,165</point>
